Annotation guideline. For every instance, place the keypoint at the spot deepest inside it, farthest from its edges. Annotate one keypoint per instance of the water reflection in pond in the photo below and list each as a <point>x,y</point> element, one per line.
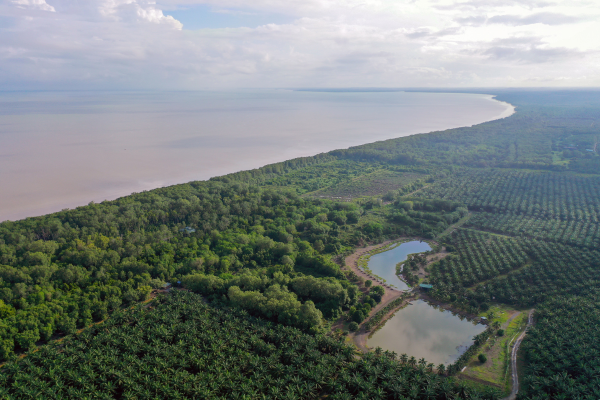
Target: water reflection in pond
<point>384,264</point>
<point>423,331</point>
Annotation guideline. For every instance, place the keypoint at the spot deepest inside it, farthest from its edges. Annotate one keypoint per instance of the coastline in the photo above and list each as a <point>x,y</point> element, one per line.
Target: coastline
<point>23,200</point>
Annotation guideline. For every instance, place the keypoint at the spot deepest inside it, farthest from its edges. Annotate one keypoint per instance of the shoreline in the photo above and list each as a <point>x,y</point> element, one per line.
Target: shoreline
<point>97,191</point>
<point>360,338</point>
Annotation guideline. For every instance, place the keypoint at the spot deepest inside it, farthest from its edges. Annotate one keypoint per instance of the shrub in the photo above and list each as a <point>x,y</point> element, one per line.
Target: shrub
<point>482,358</point>
<point>358,316</point>
<point>500,332</point>
<point>353,327</point>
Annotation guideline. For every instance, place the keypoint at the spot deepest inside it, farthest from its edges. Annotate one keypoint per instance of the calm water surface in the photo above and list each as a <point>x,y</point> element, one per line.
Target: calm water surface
<point>64,149</point>
<point>424,331</point>
<point>384,264</point>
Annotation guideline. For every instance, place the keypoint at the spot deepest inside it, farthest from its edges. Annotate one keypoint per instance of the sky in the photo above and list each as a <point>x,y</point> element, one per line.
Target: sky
<point>230,44</point>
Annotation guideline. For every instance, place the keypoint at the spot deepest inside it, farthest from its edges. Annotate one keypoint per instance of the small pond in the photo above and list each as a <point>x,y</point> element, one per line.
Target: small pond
<point>384,264</point>
<point>424,331</point>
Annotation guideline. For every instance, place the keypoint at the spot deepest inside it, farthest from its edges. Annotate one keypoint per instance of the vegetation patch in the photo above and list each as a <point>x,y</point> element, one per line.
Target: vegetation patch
<point>377,320</point>
<point>496,370</point>
<point>374,184</point>
<point>182,347</point>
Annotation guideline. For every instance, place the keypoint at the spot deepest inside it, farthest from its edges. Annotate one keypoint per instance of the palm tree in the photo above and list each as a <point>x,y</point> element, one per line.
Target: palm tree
<point>441,369</point>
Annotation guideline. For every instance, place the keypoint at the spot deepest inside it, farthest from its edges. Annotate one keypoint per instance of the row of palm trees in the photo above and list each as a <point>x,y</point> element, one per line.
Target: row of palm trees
<point>562,350</point>
<point>578,233</point>
<point>532,270</point>
<point>541,195</point>
<point>184,348</point>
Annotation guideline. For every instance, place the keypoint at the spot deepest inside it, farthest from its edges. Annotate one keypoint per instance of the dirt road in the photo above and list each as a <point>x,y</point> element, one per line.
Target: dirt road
<point>352,263</point>
<point>390,294</point>
<point>513,360</point>
<point>361,336</point>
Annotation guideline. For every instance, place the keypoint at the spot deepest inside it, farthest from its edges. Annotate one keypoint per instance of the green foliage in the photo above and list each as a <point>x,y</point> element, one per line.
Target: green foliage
<point>542,195</point>
<point>478,257</point>
<point>376,319</point>
<point>525,188</point>
<point>183,348</point>
<point>562,349</point>
<point>66,270</point>
<point>353,326</point>
<point>482,358</point>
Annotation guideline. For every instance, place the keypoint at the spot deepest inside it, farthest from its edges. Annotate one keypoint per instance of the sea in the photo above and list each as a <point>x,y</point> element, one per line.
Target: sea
<point>65,149</point>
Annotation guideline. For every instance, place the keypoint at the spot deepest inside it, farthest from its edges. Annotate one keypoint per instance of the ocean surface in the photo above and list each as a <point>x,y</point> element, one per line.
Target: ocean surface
<point>64,149</point>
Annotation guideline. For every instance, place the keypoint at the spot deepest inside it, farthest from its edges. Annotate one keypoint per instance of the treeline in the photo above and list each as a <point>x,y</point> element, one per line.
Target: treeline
<point>478,342</point>
<point>63,271</point>
<point>562,349</point>
<point>271,171</point>
<point>542,195</point>
<point>180,347</point>
<point>376,319</point>
<point>284,299</point>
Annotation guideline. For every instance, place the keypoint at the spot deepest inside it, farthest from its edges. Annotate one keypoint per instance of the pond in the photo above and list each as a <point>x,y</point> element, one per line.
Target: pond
<point>424,331</point>
<point>384,264</point>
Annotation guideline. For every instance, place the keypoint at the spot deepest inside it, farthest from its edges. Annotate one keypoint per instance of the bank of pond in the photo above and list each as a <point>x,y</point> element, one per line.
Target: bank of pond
<point>383,264</point>
<point>420,329</point>
<point>426,331</point>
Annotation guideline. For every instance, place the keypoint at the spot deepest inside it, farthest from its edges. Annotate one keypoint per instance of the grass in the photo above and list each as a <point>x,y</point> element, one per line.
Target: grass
<point>557,158</point>
<point>496,370</point>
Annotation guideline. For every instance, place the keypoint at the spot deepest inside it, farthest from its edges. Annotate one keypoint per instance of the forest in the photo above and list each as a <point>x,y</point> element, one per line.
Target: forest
<point>260,253</point>
<point>182,348</point>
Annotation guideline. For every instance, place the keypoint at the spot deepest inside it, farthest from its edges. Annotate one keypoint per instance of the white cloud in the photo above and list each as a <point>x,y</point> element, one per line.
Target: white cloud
<point>34,4</point>
<point>140,10</point>
<point>137,44</point>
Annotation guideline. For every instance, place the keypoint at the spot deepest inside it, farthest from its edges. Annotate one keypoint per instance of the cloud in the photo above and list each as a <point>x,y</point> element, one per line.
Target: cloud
<point>472,20</point>
<point>488,4</point>
<point>528,50</point>
<point>120,44</point>
<point>431,33</point>
<point>143,10</point>
<point>539,18</point>
<point>34,4</point>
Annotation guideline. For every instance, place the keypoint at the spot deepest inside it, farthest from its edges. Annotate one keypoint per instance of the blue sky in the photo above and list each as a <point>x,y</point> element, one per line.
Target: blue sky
<point>208,17</point>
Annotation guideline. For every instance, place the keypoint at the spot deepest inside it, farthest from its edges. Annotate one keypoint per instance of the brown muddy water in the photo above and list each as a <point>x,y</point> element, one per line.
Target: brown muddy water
<point>425,331</point>
<point>64,149</point>
<point>384,264</point>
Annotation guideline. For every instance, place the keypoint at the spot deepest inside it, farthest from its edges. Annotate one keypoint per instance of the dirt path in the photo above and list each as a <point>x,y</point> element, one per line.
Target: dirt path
<point>361,336</point>
<point>509,320</point>
<point>352,263</point>
<point>390,294</point>
<point>513,360</point>
<point>455,225</point>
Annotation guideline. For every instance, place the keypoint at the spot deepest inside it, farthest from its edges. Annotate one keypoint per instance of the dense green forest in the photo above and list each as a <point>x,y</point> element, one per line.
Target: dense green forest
<point>267,251</point>
<point>182,348</point>
<point>269,244</point>
<point>563,349</point>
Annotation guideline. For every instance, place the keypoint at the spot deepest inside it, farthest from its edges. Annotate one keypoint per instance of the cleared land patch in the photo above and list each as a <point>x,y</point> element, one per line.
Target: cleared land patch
<point>496,370</point>
<point>373,184</point>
